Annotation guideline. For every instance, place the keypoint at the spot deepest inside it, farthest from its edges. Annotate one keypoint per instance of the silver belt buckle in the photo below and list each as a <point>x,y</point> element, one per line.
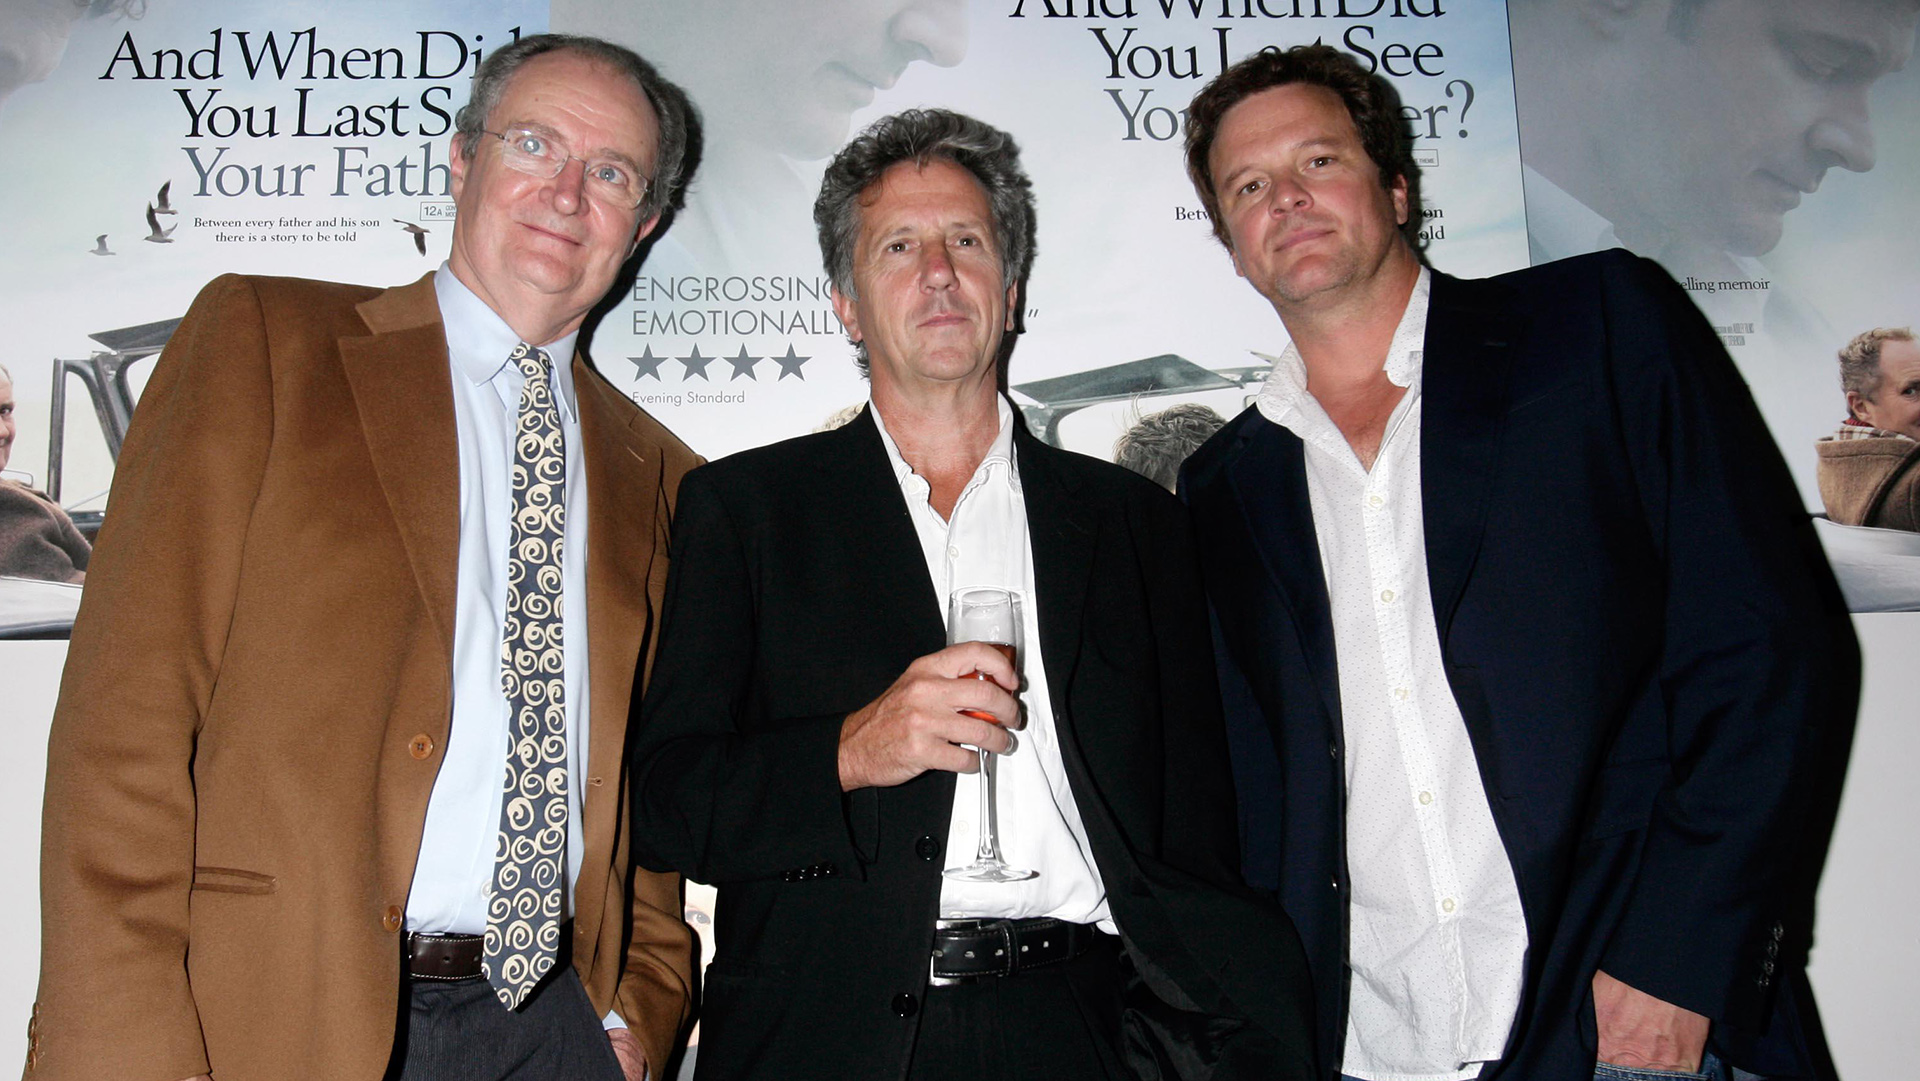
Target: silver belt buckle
<point>1004,950</point>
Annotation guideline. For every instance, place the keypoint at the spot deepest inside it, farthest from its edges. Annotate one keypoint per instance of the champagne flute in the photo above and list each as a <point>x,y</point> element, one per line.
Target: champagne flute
<point>990,615</point>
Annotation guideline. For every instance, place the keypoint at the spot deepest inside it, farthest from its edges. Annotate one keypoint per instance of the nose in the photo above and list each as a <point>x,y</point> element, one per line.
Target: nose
<point>1844,135</point>
<point>1287,195</point>
<point>936,268</point>
<point>569,188</point>
<point>932,30</point>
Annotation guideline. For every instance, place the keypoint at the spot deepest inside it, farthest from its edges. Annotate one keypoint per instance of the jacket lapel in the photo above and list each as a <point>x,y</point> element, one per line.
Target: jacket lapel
<point>1269,478</point>
<point>1061,530</point>
<point>403,392</point>
<point>1465,389</point>
<point>626,529</point>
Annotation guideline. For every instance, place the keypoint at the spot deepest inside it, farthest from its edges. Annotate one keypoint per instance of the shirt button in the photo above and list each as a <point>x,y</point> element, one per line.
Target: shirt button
<point>1376,502</point>
<point>421,747</point>
<point>953,552</point>
<point>1447,905</point>
<point>393,918</point>
<point>1400,693</point>
<point>905,1005</point>
<point>1386,596</point>
<point>1426,798</point>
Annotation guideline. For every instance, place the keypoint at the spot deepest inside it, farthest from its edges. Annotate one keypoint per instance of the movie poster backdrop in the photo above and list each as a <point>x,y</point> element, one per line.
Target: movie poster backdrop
<point>1764,151</point>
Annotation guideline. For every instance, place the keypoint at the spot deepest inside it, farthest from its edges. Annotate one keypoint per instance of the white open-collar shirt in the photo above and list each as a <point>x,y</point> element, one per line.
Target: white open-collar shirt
<point>1436,939</point>
<point>986,542</point>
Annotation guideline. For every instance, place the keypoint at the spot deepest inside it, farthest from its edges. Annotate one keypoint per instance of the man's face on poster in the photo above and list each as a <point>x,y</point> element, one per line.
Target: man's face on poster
<point>791,75</point>
<point>1745,106</point>
<point>6,420</point>
<point>33,37</point>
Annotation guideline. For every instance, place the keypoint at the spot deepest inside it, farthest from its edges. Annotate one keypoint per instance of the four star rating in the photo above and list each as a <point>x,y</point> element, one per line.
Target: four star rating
<point>695,364</point>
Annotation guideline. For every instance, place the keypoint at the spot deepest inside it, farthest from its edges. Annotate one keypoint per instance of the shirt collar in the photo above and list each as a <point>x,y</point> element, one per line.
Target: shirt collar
<point>479,341</point>
<point>1000,452</point>
<point>1287,383</point>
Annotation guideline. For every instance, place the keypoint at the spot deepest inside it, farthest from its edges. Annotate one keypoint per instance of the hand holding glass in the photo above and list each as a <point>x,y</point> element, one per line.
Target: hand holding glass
<point>981,614</point>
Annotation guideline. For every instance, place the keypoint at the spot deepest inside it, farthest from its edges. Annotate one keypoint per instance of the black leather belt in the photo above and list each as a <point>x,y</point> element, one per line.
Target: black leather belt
<point>969,950</point>
<point>449,957</point>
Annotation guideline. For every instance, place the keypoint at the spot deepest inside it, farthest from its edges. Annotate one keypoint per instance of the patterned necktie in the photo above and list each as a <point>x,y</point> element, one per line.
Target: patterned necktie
<point>529,861</point>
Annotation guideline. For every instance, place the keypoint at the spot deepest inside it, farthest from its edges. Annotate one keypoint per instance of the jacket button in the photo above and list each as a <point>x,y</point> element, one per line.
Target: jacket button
<point>393,918</point>
<point>421,747</point>
<point>1333,749</point>
<point>926,847</point>
<point>905,1005</point>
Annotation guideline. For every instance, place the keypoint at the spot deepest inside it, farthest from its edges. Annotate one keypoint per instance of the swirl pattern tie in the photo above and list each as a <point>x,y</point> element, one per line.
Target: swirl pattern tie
<point>529,860</point>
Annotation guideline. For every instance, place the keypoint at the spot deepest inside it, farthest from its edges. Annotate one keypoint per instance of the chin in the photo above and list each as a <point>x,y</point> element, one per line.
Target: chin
<point>1756,233</point>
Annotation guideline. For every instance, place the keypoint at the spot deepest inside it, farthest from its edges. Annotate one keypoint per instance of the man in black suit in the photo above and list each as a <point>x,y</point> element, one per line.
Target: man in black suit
<point>803,745</point>
<point>1530,660</point>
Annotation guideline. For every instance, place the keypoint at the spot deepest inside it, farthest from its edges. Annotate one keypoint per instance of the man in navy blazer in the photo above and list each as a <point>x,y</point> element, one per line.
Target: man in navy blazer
<point>1535,676</point>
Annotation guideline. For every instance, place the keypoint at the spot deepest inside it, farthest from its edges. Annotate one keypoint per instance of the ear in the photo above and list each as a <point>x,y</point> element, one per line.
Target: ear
<point>640,233</point>
<point>1613,19</point>
<point>1235,256</point>
<point>1399,194</point>
<point>1859,408</point>
<point>1013,305</point>
<point>848,313</point>
<point>456,166</point>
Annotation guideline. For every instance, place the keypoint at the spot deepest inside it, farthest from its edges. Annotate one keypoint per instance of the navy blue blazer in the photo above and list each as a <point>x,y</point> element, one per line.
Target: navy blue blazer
<point>1655,667</point>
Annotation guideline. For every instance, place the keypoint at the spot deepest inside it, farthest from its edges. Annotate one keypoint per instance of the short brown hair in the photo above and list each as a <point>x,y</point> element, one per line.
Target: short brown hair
<point>1371,101</point>
<point>1860,359</point>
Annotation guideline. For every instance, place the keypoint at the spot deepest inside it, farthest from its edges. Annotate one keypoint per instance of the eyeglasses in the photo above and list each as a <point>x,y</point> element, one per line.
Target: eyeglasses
<point>614,183</point>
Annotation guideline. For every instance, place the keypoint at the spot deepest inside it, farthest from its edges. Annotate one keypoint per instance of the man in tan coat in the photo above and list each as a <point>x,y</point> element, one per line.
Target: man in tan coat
<point>373,559</point>
<point>1870,467</point>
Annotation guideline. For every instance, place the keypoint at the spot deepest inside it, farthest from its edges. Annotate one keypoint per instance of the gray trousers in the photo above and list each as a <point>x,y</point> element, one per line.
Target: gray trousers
<point>458,1031</point>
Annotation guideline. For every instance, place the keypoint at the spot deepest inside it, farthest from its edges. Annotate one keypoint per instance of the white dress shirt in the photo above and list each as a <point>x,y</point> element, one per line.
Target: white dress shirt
<point>986,543</point>
<point>453,877</point>
<point>1436,939</point>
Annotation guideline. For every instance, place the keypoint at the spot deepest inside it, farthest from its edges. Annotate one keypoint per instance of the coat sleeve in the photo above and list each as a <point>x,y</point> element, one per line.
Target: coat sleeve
<point>654,995</point>
<point>1759,672</point>
<point>721,795</point>
<point>117,847</point>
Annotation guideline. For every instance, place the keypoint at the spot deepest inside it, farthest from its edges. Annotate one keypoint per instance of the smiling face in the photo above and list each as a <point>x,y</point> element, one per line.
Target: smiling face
<point>1306,215</point>
<point>933,302</point>
<point>1733,110</point>
<point>540,251</point>
<point>1895,405</point>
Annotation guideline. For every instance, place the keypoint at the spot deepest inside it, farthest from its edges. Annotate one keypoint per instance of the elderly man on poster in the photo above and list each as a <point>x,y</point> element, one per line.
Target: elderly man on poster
<point>807,741</point>
<point>342,732</point>
<point>1533,667</point>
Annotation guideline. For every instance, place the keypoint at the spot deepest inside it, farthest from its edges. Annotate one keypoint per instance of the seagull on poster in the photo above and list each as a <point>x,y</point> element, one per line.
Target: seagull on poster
<point>155,234</point>
<point>165,205</point>
<point>100,246</point>
<point>419,234</point>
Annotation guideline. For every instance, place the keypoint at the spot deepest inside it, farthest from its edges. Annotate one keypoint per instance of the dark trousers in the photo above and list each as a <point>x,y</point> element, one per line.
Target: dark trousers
<point>1053,1024</point>
<point>458,1031</point>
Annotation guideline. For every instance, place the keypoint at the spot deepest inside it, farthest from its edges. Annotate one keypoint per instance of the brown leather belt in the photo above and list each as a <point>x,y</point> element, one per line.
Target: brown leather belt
<point>444,956</point>
<point>432,956</point>
<point>968,950</point>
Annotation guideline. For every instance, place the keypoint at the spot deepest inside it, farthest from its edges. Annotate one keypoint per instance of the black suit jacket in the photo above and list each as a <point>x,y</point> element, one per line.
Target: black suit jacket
<point>1653,662</point>
<point>802,596</point>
